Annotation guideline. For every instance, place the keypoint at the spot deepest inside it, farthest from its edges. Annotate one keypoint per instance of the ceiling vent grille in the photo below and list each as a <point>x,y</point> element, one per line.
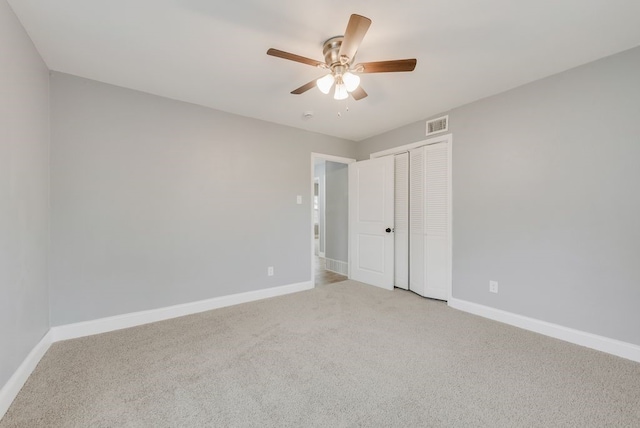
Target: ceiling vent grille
<point>440,124</point>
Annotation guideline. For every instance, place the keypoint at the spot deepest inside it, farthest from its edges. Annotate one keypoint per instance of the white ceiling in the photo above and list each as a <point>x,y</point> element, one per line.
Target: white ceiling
<point>213,52</point>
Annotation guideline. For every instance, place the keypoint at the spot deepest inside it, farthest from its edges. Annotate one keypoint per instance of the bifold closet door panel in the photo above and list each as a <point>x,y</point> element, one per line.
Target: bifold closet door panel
<point>401,236</point>
<point>437,220</point>
<point>429,221</point>
<point>417,221</point>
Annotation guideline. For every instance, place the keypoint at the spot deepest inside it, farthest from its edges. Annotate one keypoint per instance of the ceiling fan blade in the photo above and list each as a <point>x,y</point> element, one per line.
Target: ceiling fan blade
<point>356,29</point>
<point>304,88</point>
<point>359,93</point>
<point>386,66</point>
<point>294,57</point>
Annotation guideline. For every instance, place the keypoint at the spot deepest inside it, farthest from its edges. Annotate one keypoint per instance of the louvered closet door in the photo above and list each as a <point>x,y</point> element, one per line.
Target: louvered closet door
<point>416,221</point>
<point>430,218</point>
<point>401,237</point>
<point>437,221</point>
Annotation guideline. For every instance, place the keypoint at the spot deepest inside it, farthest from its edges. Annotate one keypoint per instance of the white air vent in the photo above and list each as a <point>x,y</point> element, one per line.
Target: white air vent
<point>440,124</point>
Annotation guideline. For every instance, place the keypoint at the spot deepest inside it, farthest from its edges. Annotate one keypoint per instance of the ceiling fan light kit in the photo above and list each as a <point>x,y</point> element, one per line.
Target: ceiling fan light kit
<point>325,83</point>
<point>351,81</point>
<point>339,54</point>
<point>341,92</point>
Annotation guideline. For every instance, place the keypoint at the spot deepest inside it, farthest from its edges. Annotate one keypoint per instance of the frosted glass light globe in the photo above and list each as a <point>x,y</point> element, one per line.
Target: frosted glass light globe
<point>341,92</point>
<point>325,83</point>
<point>351,81</point>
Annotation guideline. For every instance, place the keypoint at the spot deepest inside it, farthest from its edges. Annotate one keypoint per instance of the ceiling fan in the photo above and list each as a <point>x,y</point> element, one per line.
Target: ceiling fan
<point>339,55</point>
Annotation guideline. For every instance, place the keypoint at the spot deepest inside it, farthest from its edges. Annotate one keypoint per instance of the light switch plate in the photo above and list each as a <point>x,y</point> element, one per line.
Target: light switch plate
<point>299,200</point>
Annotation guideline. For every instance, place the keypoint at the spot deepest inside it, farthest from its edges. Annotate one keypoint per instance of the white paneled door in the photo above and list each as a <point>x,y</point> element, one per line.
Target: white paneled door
<point>371,221</point>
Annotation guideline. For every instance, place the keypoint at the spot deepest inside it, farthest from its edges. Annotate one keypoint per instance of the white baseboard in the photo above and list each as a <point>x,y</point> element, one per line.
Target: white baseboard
<point>337,266</point>
<point>104,325</point>
<point>578,337</point>
<point>15,383</point>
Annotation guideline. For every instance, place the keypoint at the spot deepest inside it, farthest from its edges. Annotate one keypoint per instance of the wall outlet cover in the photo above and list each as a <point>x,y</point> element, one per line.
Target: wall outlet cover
<point>493,286</point>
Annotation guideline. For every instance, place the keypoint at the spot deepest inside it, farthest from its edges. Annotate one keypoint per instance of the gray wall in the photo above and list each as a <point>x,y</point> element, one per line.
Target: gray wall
<point>337,210</point>
<point>397,137</point>
<point>545,197</point>
<point>157,202</point>
<point>24,194</point>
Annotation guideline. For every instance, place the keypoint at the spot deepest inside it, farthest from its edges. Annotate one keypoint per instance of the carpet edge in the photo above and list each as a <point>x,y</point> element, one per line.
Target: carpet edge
<point>133,319</point>
<point>10,390</point>
<point>578,337</point>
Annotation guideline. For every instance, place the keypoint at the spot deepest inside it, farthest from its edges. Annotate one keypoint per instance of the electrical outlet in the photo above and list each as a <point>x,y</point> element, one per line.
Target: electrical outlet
<point>493,286</point>
<point>270,271</point>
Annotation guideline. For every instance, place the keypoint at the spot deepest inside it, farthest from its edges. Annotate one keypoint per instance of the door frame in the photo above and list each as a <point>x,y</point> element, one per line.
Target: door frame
<point>321,224</point>
<point>445,138</point>
<point>330,158</point>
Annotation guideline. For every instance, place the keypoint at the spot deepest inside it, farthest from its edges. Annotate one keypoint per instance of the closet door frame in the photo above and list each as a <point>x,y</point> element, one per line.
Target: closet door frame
<point>445,138</point>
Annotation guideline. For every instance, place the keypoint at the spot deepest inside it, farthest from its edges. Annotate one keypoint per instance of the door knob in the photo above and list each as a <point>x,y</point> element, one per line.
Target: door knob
<point>388,230</point>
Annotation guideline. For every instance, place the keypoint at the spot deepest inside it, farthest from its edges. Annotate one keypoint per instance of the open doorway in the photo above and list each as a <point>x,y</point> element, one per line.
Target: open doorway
<point>330,218</point>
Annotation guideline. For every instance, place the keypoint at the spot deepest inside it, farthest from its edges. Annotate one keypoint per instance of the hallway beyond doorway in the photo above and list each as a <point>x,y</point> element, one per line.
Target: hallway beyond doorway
<point>323,276</point>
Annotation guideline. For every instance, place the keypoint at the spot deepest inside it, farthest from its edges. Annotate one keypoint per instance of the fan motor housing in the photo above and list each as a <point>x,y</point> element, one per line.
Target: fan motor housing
<point>331,51</point>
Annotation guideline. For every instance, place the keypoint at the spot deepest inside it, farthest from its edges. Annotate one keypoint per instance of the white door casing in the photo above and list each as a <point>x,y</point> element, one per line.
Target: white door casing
<point>314,157</point>
<point>371,214</point>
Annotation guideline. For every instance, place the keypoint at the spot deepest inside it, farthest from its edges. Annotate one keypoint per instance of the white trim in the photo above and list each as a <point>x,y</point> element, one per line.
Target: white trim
<point>337,266</point>
<point>322,238</point>
<point>15,383</point>
<point>103,325</point>
<point>578,337</point>
<point>401,149</point>
<point>330,158</point>
<point>10,390</point>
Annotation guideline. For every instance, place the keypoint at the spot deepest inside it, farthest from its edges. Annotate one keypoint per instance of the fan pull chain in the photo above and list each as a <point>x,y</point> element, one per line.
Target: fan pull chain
<point>346,109</point>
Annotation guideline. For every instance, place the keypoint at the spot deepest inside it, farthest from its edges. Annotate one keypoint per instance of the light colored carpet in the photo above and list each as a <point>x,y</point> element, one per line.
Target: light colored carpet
<point>344,354</point>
